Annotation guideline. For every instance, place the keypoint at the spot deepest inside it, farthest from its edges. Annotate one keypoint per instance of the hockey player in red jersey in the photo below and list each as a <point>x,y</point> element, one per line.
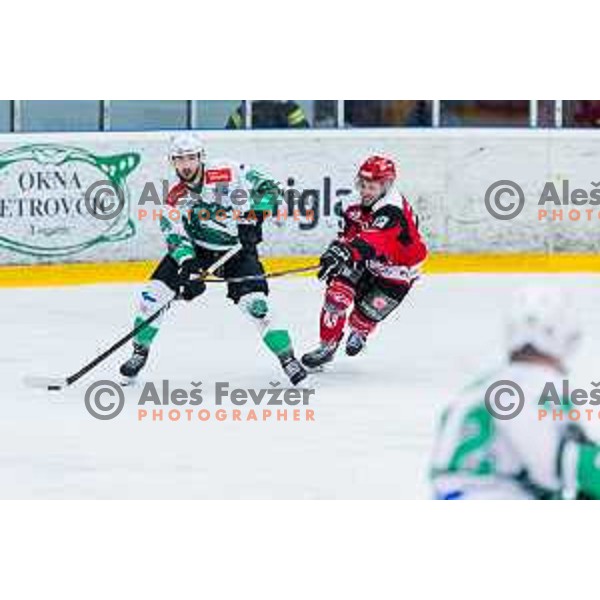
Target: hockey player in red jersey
<point>371,266</point>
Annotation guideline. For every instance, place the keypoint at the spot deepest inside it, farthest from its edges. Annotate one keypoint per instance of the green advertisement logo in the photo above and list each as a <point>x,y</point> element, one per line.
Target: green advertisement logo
<point>44,211</point>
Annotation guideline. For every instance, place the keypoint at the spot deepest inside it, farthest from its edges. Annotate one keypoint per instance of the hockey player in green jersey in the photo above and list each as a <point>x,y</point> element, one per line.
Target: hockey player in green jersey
<point>215,206</point>
<point>493,441</point>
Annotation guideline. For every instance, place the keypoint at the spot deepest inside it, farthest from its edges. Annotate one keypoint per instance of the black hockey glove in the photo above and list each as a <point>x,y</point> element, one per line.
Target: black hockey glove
<point>189,288</point>
<point>249,235</point>
<point>333,260</point>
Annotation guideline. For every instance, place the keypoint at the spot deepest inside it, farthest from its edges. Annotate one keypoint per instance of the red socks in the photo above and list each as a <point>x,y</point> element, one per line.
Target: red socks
<point>338,298</point>
<point>361,324</point>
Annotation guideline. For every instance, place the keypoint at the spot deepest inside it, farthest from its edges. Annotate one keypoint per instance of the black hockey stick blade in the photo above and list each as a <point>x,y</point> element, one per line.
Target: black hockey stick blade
<point>53,384</point>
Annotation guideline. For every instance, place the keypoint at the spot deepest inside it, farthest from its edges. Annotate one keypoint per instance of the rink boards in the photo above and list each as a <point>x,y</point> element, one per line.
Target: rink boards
<point>130,272</point>
<point>444,173</point>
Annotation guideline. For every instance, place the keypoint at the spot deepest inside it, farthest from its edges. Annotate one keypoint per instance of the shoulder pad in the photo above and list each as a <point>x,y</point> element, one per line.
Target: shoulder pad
<point>387,216</point>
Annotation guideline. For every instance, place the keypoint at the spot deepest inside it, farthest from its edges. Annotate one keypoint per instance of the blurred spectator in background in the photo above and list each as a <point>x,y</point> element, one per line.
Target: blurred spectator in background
<point>394,113</point>
<point>270,114</point>
<point>484,113</point>
<point>325,113</point>
<point>409,113</point>
<point>363,113</point>
<point>546,116</point>
<point>581,113</point>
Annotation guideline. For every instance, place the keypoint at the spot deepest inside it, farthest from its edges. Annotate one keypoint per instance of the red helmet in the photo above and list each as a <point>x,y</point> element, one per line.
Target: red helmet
<point>378,168</point>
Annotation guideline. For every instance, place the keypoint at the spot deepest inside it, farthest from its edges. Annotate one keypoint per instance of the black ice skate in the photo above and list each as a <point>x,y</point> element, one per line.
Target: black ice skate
<point>355,343</point>
<point>293,369</point>
<point>131,367</point>
<point>322,355</point>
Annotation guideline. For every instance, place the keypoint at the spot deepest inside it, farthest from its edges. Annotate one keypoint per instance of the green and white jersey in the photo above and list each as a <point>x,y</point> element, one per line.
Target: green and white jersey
<point>476,451</point>
<point>209,216</point>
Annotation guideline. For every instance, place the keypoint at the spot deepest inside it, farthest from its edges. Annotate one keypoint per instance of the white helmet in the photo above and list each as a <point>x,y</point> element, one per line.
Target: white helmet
<point>541,317</point>
<point>186,143</point>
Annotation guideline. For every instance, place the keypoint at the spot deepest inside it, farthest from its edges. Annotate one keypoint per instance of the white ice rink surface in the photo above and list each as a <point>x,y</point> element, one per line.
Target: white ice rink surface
<point>374,414</point>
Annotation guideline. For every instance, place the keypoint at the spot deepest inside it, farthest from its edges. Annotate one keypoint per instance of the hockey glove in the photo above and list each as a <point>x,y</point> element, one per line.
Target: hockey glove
<point>189,288</point>
<point>249,235</point>
<point>333,260</point>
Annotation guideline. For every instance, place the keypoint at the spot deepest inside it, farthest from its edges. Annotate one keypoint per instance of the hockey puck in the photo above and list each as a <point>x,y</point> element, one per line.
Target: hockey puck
<point>54,388</point>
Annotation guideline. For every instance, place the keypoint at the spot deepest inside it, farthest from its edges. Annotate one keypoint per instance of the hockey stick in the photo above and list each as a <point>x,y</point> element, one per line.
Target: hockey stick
<point>263,276</point>
<point>57,383</point>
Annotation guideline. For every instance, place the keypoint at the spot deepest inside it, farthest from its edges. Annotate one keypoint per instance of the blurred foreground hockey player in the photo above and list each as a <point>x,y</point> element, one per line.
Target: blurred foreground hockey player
<point>371,266</point>
<point>207,224</point>
<point>480,456</point>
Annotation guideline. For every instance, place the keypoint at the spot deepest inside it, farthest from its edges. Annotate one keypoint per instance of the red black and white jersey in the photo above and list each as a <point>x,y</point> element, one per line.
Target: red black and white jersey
<point>386,237</point>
